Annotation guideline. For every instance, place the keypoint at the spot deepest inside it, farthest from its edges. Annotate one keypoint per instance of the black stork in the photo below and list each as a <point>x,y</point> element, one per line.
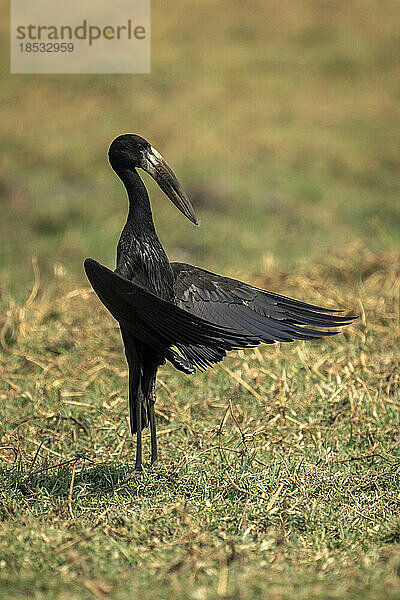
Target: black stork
<point>177,312</point>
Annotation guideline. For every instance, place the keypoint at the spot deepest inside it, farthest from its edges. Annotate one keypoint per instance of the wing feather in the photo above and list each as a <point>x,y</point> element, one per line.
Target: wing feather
<point>267,316</point>
<point>162,325</point>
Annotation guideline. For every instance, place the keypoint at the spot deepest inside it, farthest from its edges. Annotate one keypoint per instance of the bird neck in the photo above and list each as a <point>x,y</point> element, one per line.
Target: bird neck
<point>140,217</point>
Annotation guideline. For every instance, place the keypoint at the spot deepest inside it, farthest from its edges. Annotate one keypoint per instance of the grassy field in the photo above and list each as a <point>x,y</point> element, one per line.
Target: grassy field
<point>279,471</point>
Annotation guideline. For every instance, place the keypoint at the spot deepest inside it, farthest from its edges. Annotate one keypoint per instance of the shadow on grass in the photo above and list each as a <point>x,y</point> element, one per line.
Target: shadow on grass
<point>100,480</point>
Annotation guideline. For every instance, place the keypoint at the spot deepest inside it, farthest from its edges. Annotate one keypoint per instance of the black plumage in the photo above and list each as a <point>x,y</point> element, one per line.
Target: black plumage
<point>178,312</point>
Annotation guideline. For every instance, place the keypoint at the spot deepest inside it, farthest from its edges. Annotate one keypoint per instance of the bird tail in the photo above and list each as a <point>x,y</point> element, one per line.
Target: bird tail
<point>134,398</point>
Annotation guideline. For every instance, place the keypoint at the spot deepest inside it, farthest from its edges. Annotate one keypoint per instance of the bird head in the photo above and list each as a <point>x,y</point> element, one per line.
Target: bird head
<point>129,152</point>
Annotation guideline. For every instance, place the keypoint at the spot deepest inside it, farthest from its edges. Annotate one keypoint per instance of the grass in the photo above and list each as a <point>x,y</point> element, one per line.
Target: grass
<point>279,472</point>
<point>281,121</point>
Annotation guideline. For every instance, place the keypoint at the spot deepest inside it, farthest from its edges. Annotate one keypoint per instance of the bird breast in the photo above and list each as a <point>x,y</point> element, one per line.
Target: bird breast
<point>145,262</point>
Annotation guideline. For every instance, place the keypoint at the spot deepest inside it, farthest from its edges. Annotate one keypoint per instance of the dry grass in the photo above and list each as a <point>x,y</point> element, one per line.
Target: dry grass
<point>279,469</point>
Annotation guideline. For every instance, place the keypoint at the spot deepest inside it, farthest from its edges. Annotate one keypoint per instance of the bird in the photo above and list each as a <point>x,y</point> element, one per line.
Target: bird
<point>176,312</point>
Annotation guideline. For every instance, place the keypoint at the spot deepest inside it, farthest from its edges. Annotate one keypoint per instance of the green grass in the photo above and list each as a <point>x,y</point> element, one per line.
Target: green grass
<point>279,470</point>
<point>283,120</point>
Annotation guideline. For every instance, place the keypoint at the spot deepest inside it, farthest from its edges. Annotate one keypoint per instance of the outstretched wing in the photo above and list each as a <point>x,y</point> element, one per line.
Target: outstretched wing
<point>162,325</point>
<point>246,309</point>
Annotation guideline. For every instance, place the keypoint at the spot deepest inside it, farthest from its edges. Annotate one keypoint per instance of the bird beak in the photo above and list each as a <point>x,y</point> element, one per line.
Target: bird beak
<point>156,166</point>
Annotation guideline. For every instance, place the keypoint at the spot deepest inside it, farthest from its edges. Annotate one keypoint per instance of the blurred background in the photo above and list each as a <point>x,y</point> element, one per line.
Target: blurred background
<point>280,118</point>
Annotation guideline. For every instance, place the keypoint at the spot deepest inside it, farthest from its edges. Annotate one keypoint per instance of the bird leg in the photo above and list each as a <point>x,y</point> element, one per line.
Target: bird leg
<point>153,431</point>
<point>138,411</point>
